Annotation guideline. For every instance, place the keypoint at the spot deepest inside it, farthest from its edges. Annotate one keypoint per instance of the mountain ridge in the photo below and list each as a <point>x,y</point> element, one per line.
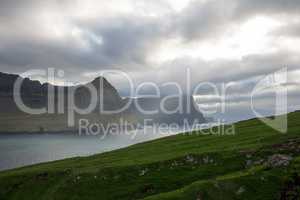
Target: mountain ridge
<point>36,95</point>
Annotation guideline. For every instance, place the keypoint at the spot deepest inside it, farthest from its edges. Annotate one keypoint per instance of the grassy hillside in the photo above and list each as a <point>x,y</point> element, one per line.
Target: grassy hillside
<point>255,163</point>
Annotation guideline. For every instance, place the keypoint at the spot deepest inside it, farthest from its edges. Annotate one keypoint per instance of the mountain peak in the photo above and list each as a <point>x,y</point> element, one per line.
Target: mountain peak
<point>101,82</point>
<point>99,78</point>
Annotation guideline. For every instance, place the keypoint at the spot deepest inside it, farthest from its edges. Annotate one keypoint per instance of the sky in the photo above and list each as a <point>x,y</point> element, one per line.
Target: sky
<point>231,42</point>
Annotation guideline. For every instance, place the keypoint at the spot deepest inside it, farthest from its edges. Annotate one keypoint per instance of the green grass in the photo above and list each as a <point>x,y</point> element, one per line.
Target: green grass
<point>185,166</point>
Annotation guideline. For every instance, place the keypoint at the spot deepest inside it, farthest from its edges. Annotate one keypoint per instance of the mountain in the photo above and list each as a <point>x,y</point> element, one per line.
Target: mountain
<point>181,110</point>
<point>36,95</point>
<point>256,162</point>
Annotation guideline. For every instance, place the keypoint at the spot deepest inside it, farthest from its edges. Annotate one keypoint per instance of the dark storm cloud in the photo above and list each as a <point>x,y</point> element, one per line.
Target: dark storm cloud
<point>213,18</point>
<point>127,40</point>
<point>257,64</point>
<point>246,8</point>
<point>224,70</point>
<point>123,44</point>
<point>204,20</point>
<point>11,8</point>
<point>291,30</point>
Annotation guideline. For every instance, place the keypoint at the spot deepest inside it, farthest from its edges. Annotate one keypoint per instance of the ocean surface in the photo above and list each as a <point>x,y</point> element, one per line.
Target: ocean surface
<point>17,150</point>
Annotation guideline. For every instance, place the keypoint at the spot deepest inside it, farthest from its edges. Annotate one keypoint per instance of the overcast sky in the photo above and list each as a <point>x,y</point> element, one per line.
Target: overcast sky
<point>235,42</point>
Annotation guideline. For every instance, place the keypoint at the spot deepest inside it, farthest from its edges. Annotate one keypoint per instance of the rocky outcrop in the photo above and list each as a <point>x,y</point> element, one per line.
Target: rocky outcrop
<point>279,160</point>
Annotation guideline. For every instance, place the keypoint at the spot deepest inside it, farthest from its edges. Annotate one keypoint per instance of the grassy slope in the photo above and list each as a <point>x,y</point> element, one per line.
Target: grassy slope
<point>178,167</point>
